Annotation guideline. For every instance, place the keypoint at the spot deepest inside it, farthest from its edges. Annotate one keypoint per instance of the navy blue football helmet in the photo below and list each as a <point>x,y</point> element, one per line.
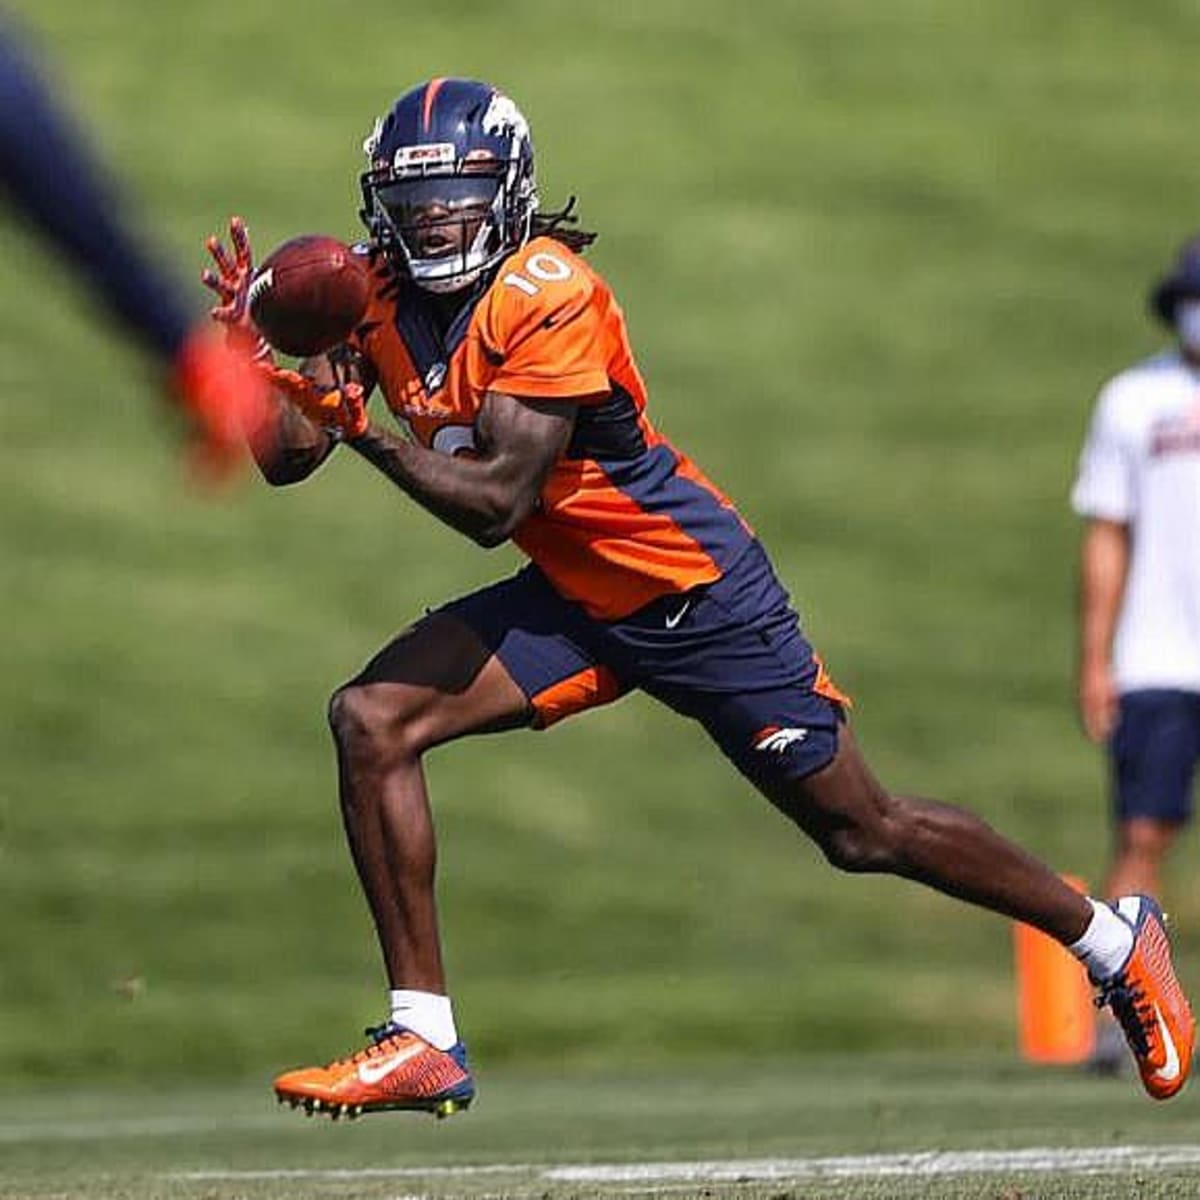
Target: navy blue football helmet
<point>450,152</point>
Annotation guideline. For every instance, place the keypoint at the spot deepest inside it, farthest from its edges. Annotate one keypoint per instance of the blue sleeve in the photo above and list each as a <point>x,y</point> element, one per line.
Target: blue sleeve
<point>53,179</point>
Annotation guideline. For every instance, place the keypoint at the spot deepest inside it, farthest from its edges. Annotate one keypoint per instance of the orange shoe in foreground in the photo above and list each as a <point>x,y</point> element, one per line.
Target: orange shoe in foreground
<point>1148,1002</point>
<point>398,1070</point>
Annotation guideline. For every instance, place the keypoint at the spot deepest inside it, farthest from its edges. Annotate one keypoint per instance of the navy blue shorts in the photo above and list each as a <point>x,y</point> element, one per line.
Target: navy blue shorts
<point>1154,750</point>
<point>729,654</point>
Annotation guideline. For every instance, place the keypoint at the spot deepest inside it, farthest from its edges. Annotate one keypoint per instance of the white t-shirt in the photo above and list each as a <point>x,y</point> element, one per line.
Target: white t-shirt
<point>1141,466</point>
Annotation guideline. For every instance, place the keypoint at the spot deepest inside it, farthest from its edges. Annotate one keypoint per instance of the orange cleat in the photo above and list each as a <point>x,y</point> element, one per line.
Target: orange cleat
<point>398,1070</point>
<point>1148,1002</point>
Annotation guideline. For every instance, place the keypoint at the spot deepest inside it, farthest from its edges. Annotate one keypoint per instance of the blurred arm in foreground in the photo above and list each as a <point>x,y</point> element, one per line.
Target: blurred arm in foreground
<point>53,179</point>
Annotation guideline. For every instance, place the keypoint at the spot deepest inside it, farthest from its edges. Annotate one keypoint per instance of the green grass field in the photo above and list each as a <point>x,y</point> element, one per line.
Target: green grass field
<point>845,1128</point>
<point>876,260</point>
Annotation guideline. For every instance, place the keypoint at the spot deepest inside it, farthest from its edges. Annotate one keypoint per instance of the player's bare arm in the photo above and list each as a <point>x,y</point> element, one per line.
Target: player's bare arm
<point>288,447</point>
<point>487,494</point>
<point>1104,563</point>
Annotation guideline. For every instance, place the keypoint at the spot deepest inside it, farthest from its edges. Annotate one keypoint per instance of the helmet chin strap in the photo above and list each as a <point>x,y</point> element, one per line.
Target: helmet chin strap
<point>443,287</point>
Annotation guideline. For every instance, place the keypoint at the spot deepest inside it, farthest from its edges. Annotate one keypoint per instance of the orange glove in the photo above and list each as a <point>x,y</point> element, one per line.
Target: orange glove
<point>231,283</point>
<point>341,412</point>
<point>223,395</point>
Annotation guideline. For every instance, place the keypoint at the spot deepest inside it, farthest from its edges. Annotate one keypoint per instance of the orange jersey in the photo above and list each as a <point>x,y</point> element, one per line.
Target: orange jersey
<point>623,516</point>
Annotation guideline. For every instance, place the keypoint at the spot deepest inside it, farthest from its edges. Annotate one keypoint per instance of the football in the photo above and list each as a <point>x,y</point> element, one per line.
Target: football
<point>308,294</point>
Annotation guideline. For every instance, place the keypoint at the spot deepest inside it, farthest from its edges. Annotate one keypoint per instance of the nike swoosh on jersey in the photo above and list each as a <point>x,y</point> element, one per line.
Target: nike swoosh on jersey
<point>374,1070</point>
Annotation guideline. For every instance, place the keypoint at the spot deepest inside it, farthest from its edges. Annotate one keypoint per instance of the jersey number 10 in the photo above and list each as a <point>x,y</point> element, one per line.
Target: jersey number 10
<point>549,268</point>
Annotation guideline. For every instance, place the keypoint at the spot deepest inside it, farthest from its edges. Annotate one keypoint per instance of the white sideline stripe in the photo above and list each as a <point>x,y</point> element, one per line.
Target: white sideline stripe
<point>338,1174</point>
<point>1083,1161</point>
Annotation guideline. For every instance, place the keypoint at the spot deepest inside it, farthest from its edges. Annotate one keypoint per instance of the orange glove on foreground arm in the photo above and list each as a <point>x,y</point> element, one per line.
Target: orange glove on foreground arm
<point>222,394</point>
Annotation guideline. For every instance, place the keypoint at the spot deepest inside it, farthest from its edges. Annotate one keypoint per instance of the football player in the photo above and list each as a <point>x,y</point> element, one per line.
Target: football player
<point>505,361</point>
<point>55,183</point>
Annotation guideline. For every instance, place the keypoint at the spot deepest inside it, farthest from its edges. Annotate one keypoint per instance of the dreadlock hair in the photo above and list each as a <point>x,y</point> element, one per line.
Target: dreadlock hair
<point>551,225</point>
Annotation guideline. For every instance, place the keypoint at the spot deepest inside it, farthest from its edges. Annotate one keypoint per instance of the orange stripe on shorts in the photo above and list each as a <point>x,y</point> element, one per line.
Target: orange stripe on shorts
<point>824,686</point>
<point>588,688</point>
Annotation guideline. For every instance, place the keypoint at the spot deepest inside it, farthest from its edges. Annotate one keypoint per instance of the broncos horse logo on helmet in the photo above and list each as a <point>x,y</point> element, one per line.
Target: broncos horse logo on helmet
<point>449,191</point>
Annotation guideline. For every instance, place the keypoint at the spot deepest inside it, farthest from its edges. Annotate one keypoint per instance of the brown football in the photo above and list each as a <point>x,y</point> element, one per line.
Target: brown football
<point>308,294</point>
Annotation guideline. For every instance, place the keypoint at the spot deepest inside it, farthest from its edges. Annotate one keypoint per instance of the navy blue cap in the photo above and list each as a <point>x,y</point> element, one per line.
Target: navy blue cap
<point>1182,281</point>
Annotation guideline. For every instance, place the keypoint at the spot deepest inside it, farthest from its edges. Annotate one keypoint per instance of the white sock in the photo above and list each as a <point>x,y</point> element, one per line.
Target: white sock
<point>427,1014</point>
<point>1105,944</point>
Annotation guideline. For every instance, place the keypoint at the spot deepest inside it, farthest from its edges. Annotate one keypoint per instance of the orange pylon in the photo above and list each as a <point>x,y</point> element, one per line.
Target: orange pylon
<point>1056,1018</point>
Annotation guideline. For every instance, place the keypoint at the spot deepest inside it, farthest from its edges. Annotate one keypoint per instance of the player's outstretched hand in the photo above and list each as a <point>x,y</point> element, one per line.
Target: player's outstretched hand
<point>230,282</point>
<point>342,411</point>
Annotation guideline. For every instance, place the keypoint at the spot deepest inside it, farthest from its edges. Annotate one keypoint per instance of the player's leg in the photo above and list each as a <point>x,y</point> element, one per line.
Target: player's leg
<point>507,656</point>
<point>1141,847</point>
<point>494,660</point>
<point>860,826</point>
<point>1153,755</point>
<point>739,664</point>
<point>435,682</point>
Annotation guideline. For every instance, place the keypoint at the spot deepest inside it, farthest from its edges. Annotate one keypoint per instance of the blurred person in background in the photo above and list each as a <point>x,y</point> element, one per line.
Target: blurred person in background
<point>1138,490</point>
<point>54,181</point>
<point>505,359</point>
